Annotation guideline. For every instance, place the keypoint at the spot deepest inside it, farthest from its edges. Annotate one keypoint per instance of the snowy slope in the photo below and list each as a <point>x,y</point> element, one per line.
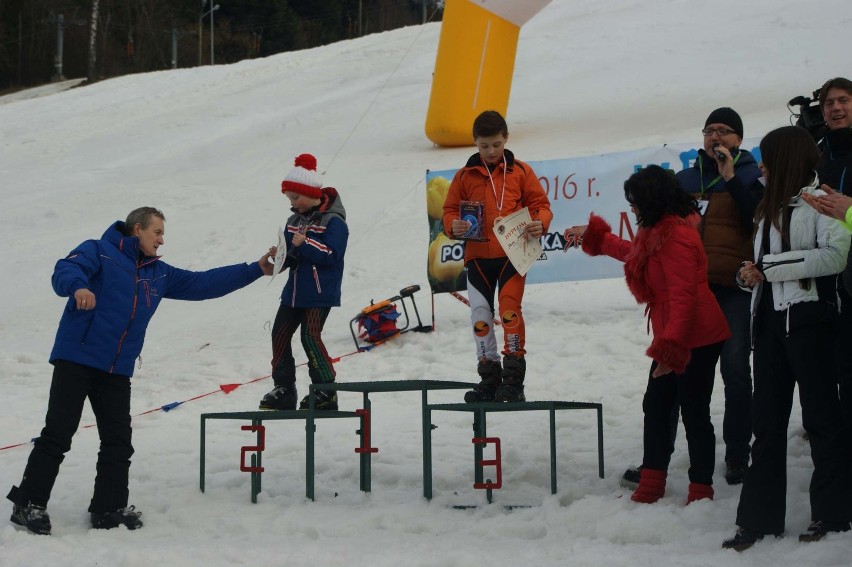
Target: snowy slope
<point>209,147</point>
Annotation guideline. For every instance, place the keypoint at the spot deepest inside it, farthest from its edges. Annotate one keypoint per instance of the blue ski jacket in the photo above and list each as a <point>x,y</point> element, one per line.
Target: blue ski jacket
<point>128,287</point>
<point>316,267</point>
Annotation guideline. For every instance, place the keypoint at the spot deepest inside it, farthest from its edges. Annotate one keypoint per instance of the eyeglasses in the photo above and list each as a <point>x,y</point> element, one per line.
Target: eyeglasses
<point>720,131</point>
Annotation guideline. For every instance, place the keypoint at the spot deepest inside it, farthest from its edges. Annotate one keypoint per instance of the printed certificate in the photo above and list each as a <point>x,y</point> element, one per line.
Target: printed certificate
<point>280,254</point>
<point>522,251</point>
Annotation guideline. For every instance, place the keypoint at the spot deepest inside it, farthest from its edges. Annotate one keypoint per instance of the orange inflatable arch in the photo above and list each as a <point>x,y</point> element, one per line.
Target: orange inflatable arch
<point>474,64</point>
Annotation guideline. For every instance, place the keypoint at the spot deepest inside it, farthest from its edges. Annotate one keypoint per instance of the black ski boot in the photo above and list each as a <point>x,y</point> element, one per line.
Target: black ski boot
<point>127,517</point>
<point>735,471</point>
<point>325,400</point>
<point>744,539</point>
<point>491,373</point>
<point>280,398</point>
<point>32,517</point>
<point>818,530</point>
<point>512,388</point>
<point>630,478</point>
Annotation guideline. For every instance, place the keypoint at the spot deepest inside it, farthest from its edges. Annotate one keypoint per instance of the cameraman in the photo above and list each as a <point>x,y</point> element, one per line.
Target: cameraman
<point>835,102</point>
<point>835,170</point>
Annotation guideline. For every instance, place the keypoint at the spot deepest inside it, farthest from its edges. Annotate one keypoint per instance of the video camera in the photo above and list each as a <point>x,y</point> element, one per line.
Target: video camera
<point>809,116</point>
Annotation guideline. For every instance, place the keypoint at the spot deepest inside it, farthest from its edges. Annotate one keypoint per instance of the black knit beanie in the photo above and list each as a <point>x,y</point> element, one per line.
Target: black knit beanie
<point>728,117</point>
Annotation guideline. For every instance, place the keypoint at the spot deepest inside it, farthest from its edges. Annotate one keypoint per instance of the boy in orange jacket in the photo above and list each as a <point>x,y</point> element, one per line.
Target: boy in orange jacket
<point>503,185</point>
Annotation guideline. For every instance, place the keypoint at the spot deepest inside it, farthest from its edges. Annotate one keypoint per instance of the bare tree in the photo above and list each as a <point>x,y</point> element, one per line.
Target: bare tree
<point>93,37</point>
<point>108,38</point>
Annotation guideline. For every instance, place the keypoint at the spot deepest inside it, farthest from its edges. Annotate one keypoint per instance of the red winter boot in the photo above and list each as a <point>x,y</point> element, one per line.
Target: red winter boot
<point>698,492</point>
<point>652,486</point>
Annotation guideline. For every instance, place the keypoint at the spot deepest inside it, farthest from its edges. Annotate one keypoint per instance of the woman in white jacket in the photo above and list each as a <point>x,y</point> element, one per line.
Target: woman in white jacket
<point>798,254</point>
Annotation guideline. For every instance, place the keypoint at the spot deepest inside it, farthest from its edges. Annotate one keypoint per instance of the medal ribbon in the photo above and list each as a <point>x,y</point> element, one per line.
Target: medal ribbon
<point>494,188</point>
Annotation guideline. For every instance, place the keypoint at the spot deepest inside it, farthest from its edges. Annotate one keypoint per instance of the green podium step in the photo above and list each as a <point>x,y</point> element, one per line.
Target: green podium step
<point>481,410</point>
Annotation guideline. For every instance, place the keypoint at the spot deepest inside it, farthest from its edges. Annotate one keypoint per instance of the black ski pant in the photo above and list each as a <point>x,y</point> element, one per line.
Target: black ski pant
<point>735,367</point>
<point>692,391</point>
<point>109,395</point>
<point>311,320</point>
<point>843,352</point>
<point>804,356</point>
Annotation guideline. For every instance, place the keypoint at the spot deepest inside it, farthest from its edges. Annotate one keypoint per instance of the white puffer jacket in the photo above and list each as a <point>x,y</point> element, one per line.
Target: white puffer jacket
<point>819,246</point>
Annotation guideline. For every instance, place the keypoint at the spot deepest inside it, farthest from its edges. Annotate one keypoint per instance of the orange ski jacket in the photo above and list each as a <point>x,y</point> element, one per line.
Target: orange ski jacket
<point>512,183</point>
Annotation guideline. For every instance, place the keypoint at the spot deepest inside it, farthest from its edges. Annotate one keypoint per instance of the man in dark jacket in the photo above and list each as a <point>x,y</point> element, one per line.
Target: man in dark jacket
<point>113,286</point>
<point>835,165</point>
<point>835,170</point>
<point>725,180</point>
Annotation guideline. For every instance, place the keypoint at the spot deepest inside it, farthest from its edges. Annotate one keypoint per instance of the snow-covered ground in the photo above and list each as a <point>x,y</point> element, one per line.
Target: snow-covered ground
<point>209,147</point>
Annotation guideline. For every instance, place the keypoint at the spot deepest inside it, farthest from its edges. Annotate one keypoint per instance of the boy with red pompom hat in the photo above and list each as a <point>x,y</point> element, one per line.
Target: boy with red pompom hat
<point>316,235</point>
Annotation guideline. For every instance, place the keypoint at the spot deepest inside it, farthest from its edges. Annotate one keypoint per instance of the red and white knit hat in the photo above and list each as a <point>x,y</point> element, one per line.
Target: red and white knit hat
<point>303,179</point>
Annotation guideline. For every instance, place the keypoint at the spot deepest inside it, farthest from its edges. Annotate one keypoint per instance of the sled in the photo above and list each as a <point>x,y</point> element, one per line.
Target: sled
<point>379,322</point>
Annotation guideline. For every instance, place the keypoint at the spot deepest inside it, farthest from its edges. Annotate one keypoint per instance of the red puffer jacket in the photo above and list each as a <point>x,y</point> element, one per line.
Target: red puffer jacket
<point>666,268</point>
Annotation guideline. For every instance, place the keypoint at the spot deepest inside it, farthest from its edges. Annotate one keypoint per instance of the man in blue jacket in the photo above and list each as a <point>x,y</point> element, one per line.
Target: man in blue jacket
<point>113,286</point>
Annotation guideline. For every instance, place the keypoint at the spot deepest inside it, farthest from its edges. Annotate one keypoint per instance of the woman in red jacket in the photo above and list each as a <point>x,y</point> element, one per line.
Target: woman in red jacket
<point>666,268</point>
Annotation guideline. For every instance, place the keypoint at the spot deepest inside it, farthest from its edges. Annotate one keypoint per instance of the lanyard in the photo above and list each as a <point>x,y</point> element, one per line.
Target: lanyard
<point>494,189</point>
<point>718,177</point>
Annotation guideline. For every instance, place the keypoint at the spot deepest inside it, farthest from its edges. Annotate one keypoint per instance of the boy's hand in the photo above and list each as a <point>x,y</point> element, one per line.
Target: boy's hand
<point>460,227</point>
<point>534,229</point>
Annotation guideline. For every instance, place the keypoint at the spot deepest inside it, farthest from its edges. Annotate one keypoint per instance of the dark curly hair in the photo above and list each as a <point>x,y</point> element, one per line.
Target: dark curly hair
<point>655,192</point>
